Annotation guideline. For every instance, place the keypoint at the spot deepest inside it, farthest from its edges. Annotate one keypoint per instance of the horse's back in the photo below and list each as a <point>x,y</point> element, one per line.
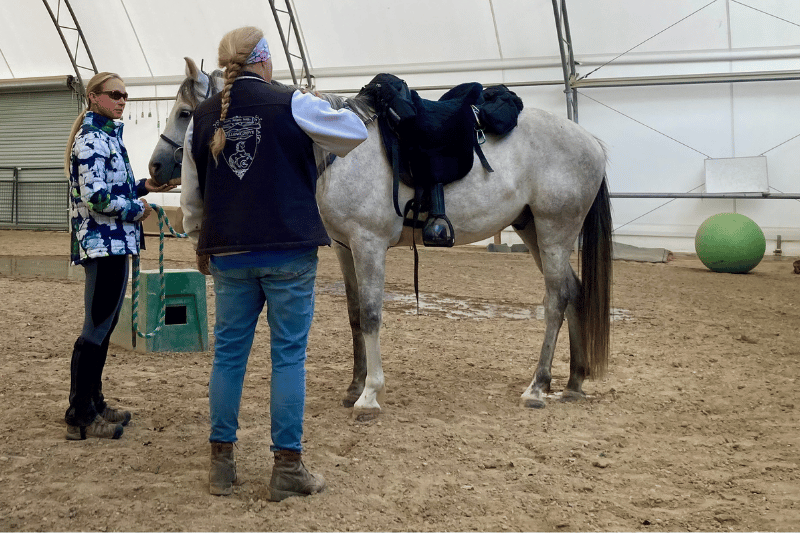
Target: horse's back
<point>547,163</point>
<point>558,140</point>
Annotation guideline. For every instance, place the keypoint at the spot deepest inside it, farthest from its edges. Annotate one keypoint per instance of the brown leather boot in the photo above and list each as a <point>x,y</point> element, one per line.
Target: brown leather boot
<point>222,475</point>
<point>290,477</point>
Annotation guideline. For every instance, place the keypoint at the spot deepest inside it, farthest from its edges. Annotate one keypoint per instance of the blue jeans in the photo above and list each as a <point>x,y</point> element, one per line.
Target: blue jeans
<point>288,291</point>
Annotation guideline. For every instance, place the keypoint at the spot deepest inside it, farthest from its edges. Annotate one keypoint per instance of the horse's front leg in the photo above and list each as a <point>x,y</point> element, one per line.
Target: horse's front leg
<point>370,268</point>
<point>354,314</point>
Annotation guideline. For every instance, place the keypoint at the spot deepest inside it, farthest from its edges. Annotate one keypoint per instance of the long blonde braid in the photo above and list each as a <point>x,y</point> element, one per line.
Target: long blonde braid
<point>234,48</point>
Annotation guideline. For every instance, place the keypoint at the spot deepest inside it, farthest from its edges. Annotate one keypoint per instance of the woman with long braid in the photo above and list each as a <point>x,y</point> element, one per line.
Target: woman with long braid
<point>248,198</point>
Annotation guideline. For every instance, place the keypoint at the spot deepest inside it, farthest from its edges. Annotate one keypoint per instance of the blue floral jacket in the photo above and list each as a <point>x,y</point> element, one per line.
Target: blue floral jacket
<point>104,204</point>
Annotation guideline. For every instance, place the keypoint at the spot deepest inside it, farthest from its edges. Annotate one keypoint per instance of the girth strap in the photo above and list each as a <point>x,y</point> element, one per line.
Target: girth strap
<point>482,157</point>
<point>396,176</point>
<point>414,205</point>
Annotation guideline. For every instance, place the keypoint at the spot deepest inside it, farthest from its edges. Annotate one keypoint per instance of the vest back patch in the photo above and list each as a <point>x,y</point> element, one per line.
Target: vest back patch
<point>243,134</point>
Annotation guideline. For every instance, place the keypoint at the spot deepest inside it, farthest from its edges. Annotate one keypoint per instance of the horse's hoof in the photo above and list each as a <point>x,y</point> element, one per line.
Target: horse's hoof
<point>350,398</point>
<point>366,415</point>
<point>349,401</point>
<point>533,397</point>
<point>572,396</point>
<point>532,403</point>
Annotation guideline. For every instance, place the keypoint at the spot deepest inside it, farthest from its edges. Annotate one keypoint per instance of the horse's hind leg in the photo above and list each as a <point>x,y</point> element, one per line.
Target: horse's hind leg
<point>578,368</point>
<point>552,248</point>
<point>354,314</point>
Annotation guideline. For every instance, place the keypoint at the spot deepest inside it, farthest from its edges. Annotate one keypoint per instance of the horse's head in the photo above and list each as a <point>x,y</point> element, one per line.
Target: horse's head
<point>165,163</point>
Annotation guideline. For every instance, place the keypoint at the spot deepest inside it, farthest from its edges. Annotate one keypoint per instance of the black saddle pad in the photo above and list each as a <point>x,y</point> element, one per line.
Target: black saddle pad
<point>442,135</point>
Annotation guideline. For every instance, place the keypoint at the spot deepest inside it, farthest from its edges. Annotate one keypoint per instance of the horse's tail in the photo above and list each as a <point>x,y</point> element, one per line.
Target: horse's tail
<point>596,259</point>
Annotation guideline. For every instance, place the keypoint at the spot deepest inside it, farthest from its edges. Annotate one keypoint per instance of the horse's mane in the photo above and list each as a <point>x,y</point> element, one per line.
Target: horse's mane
<point>360,104</point>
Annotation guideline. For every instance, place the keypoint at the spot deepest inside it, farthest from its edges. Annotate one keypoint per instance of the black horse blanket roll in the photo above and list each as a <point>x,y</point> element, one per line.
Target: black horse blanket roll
<point>499,110</point>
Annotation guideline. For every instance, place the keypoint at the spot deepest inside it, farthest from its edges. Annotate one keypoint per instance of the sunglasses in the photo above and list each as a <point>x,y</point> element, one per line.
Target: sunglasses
<point>115,95</point>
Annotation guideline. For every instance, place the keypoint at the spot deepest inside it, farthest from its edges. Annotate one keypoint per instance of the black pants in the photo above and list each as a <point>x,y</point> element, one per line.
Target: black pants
<point>106,282</point>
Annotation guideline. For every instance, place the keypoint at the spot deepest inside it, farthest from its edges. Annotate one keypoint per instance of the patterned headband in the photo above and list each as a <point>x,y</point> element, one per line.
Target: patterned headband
<point>260,53</point>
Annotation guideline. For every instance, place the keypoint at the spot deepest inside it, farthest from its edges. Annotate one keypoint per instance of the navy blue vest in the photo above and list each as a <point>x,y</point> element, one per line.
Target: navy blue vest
<point>261,193</point>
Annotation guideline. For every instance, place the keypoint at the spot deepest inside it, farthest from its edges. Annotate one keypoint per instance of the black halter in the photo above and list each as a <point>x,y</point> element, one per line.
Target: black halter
<point>211,91</point>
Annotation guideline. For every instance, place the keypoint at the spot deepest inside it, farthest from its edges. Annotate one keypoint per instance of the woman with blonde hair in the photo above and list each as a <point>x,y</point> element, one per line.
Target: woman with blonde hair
<point>105,216</point>
<point>248,198</point>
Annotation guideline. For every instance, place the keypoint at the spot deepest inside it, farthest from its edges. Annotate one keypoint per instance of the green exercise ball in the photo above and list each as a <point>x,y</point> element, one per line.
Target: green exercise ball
<point>730,242</point>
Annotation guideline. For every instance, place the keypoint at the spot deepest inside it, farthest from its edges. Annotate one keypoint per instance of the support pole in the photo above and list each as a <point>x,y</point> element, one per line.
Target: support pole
<point>573,75</point>
<point>286,41</point>
<point>568,91</point>
<point>15,197</point>
<point>81,39</point>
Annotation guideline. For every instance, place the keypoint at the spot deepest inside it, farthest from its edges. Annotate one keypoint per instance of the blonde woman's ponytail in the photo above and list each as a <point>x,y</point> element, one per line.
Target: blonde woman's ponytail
<point>68,151</point>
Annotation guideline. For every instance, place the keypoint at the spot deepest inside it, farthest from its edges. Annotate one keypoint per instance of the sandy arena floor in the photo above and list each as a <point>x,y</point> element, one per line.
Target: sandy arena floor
<point>695,427</point>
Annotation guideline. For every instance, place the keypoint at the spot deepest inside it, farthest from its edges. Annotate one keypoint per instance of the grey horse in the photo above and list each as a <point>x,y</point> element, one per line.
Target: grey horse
<point>549,184</point>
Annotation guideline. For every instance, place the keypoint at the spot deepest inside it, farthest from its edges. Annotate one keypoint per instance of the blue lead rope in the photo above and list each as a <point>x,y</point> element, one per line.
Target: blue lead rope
<point>162,219</point>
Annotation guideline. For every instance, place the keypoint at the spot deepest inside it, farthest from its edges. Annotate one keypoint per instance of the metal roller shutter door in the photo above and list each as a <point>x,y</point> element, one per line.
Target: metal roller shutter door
<point>34,127</point>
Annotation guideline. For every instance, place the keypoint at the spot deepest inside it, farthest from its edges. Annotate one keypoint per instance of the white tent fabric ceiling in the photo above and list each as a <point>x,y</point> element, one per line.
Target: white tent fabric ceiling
<point>140,38</point>
<point>149,38</point>
<point>440,43</point>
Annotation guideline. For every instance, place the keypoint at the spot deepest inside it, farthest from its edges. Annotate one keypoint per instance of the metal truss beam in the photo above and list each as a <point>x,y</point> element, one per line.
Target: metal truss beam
<point>723,77</point>
<point>705,195</point>
<point>289,43</point>
<point>80,43</point>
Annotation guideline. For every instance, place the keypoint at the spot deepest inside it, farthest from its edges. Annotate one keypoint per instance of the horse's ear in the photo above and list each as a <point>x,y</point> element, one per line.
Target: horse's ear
<point>191,69</point>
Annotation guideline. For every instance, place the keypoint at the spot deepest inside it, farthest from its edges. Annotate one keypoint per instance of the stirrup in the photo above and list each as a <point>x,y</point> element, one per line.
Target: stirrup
<point>438,231</point>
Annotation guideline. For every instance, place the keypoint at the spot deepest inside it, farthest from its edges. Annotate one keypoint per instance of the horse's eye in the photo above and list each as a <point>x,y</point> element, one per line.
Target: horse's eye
<point>185,114</point>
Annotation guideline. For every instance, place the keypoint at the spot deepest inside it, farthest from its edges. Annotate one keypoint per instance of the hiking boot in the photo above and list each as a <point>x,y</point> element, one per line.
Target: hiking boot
<point>100,428</point>
<point>116,416</point>
<point>290,477</point>
<point>222,475</point>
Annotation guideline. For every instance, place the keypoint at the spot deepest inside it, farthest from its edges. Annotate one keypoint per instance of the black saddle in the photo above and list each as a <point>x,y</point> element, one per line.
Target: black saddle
<point>431,143</point>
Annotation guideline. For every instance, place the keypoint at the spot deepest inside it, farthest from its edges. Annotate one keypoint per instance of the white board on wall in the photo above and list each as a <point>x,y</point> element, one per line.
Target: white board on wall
<point>737,175</point>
